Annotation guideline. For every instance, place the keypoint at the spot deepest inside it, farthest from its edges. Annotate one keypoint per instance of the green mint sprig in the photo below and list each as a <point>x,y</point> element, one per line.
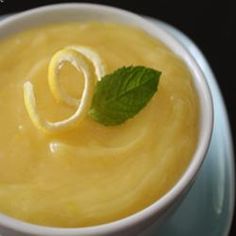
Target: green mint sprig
<point>122,94</point>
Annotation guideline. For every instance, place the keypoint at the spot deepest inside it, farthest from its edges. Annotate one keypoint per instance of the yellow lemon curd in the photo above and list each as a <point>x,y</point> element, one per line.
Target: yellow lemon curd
<point>91,174</point>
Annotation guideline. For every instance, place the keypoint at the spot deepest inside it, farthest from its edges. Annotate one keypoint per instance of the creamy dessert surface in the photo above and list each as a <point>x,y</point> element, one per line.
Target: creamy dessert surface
<point>92,174</point>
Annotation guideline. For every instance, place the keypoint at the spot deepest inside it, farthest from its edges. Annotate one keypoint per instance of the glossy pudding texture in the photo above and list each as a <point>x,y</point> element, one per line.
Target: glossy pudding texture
<point>92,174</point>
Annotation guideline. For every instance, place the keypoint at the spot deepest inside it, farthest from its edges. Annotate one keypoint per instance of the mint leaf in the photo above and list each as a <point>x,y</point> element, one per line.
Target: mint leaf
<point>123,93</point>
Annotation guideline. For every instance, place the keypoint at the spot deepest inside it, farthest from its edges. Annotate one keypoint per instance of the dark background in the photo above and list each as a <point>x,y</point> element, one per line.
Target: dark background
<point>210,24</point>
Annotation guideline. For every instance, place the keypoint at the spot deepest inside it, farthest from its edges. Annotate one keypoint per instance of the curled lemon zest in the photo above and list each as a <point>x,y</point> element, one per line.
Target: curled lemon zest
<point>80,62</point>
<point>53,78</point>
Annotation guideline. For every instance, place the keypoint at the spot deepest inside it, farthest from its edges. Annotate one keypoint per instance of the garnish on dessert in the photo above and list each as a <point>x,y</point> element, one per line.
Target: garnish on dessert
<point>109,99</point>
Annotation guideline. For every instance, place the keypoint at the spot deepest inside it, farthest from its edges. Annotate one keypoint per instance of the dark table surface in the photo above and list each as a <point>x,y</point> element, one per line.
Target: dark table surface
<point>210,24</point>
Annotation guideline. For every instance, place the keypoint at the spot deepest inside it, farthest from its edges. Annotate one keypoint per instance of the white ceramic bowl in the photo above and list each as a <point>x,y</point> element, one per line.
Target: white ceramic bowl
<point>163,208</point>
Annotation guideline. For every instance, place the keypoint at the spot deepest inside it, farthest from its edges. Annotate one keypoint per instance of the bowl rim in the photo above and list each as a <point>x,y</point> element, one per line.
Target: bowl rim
<point>206,127</point>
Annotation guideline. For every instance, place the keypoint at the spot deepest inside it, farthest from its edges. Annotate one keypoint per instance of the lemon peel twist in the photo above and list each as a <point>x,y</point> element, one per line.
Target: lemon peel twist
<point>53,78</point>
<point>81,60</point>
